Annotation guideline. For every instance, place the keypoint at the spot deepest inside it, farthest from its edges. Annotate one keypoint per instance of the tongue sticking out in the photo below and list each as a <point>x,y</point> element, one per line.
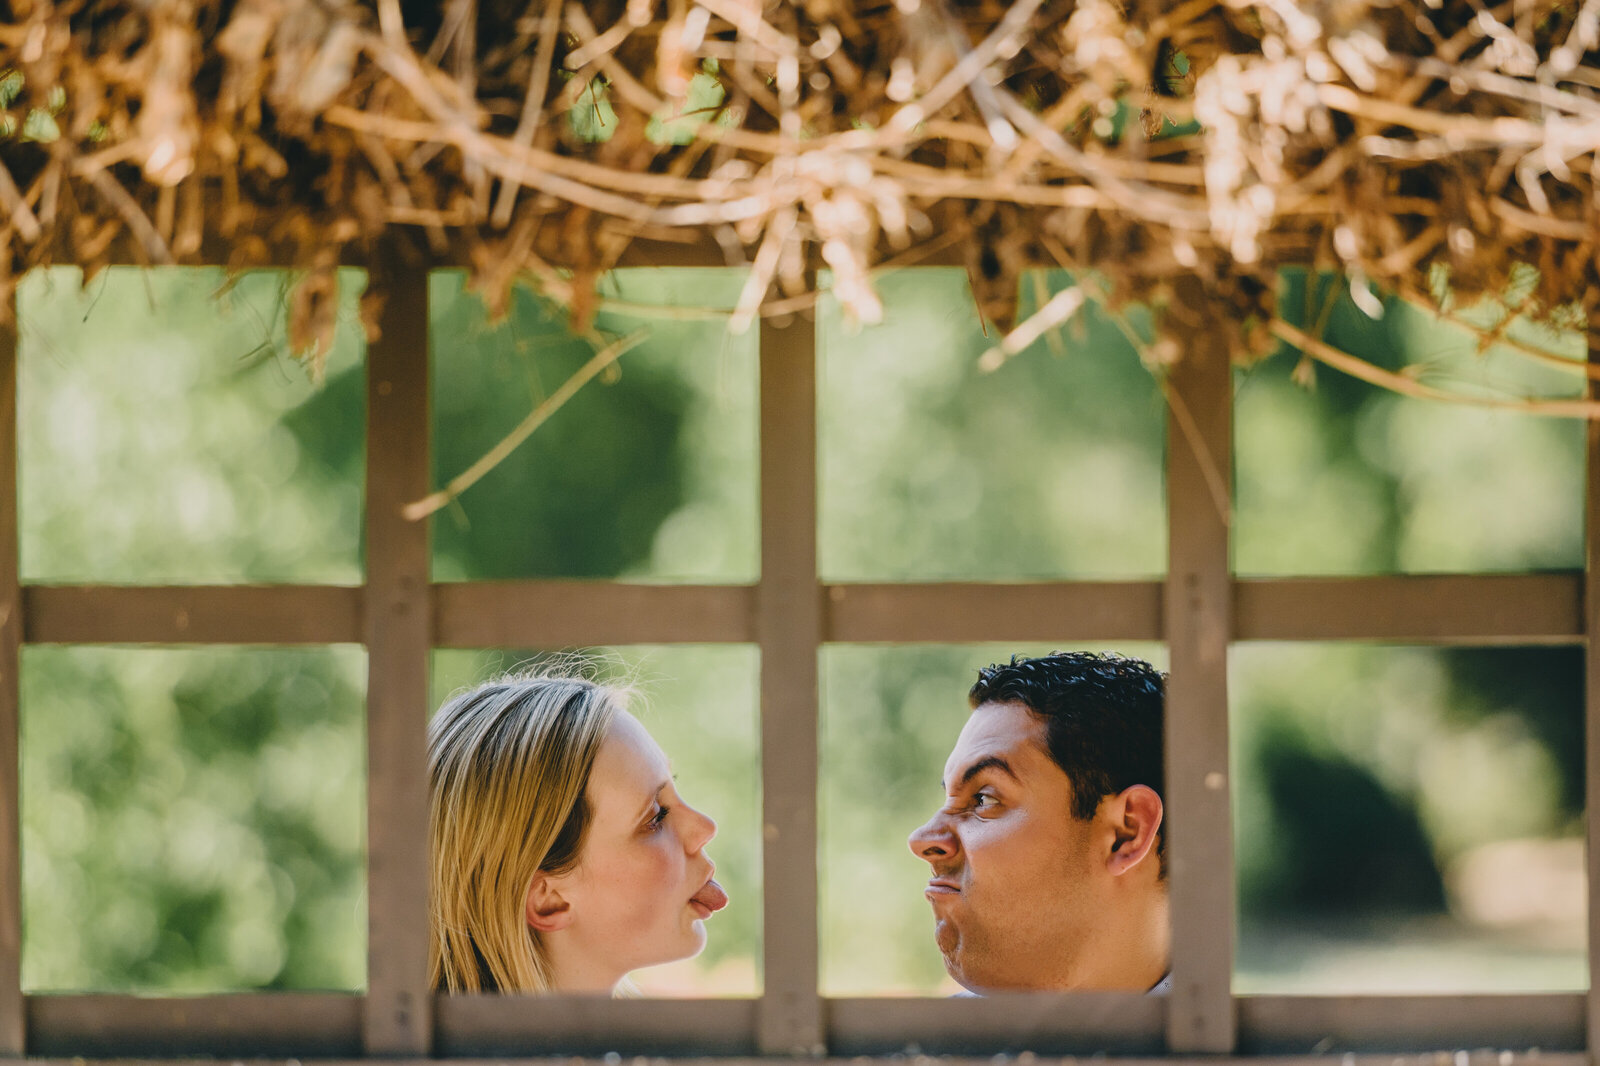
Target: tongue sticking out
<point>711,897</point>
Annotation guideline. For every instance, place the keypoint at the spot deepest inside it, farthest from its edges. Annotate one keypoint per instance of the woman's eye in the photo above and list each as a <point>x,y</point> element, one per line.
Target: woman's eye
<point>658,818</point>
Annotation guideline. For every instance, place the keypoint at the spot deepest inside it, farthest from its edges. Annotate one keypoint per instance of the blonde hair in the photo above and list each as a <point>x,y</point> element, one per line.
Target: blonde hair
<point>508,766</point>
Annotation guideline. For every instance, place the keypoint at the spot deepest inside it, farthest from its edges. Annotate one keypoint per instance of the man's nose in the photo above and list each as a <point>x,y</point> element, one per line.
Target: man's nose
<point>932,840</point>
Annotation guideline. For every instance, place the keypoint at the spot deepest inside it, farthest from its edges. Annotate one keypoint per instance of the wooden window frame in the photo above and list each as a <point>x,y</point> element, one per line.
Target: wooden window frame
<point>1199,610</point>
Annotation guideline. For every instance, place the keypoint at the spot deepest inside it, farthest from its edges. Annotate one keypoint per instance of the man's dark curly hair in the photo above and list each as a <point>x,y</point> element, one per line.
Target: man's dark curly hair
<point>1102,715</point>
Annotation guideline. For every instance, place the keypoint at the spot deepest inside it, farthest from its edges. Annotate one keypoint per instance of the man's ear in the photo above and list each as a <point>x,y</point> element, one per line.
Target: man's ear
<point>546,909</point>
<point>1135,820</point>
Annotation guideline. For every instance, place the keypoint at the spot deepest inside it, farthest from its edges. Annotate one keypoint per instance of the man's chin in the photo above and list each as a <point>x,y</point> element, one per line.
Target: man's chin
<point>975,973</point>
<point>958,973</point>
<point>948,936</point>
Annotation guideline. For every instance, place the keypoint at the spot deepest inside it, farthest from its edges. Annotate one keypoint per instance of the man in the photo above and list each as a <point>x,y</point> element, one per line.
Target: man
<point>1047,855</point>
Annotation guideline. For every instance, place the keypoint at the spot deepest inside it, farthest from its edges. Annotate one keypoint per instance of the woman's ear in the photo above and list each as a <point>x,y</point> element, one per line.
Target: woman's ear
<point>1136,821</point>
<point>546,909</point>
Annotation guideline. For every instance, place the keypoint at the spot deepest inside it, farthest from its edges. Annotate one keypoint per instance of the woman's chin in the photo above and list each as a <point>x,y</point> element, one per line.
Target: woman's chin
<point>690,941</point>
<point>697,933</point>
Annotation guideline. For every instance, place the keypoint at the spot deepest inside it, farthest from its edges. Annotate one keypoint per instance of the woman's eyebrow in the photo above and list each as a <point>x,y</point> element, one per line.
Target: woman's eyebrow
<point>988,762</point>
<point>652,799</point>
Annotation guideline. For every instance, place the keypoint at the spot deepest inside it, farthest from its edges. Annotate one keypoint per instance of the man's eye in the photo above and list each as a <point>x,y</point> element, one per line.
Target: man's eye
<point>983,801</point>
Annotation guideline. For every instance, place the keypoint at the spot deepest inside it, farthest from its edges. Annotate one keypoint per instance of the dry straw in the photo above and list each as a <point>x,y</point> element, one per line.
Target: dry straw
<point>1423,147</point>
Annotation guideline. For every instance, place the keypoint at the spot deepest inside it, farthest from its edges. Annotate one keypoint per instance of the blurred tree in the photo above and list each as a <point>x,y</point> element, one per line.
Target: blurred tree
<point>582,497</point>
<point>1542,687</point>
<point>1347,842</point>
<point>192,820</point>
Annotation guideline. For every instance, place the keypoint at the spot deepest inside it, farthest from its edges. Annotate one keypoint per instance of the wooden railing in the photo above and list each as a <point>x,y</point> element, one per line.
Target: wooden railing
<point>1198,610</point>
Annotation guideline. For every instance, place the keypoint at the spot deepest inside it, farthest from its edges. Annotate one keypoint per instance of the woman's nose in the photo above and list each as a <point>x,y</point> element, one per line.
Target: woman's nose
<point>698,830</point>
<point>932,840</point>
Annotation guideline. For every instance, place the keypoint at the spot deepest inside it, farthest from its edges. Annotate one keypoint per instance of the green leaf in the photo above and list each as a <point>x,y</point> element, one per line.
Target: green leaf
<point>700,103</point>
<point>1521,283</point>
<point>1170,128</point>
<point>57,100</point>
<point>11,83</point>
<point>592,118</point>
<point>1439,284</point>
<point>40,126</point>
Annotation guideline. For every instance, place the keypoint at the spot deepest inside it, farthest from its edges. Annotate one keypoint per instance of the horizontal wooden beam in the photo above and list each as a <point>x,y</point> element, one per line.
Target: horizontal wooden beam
<point>520,1026</point>
<point>246,1024</point>
<point>1460,1057</point>
<point>1323,1024</point>
<point>970,613</point>
<point>704,252</point>
<point>1434,609</point>
<point>209,614</point>
<point>563,614</point>
<point>1428,609</point>
<point>1081,1024</point>
<point>1292,1030</point>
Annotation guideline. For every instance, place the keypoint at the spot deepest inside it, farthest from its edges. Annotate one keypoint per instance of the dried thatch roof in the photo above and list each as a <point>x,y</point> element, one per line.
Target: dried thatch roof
<point>1416,145</point>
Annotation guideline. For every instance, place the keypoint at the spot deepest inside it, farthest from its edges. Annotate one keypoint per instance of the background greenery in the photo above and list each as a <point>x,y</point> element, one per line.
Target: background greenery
<point>1406,817</point>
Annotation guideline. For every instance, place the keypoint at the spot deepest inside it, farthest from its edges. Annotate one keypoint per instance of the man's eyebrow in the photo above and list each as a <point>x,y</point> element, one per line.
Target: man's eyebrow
<point>988,762</point>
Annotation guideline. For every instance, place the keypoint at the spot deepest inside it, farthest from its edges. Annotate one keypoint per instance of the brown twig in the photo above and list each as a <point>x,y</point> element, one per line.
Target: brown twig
<point>605,357</point>
<point>532,105</point>
<point>1326,353</point>
<point>22,216</point>
<point>138,223</point>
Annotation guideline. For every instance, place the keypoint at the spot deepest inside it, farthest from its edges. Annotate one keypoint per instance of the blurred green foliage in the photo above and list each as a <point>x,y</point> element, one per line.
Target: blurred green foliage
<point>201,811</point>
<point>1342,478</point>
<point>192,820</point>
<point>1374,783</point>
<point>930,469</point>
<point>158,440</point>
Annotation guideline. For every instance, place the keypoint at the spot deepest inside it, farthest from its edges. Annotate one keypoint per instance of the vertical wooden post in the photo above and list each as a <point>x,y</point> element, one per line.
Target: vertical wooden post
<point>13,1036</point>
<point>1591,763</point>
<point>789,624</point>
<point>398,1019</point>
<point>1198,609</point>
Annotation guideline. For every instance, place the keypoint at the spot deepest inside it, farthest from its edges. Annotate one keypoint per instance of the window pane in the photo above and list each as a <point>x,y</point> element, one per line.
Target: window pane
<point>193,820</point>
<point>1347,478</point>
<point>166,436</point>
<point>931,469</point>
<point>700,703</point>
<point>890,716</point>
<point>1409,819</point>
<point>648,472</point>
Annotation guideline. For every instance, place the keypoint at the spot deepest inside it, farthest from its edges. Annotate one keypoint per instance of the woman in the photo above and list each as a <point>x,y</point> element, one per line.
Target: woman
<point>562,857</point>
